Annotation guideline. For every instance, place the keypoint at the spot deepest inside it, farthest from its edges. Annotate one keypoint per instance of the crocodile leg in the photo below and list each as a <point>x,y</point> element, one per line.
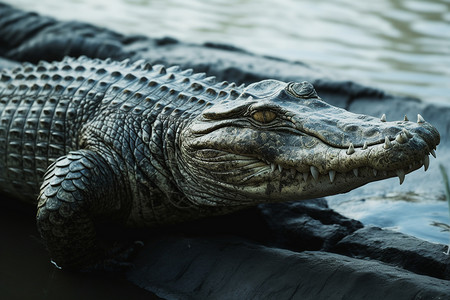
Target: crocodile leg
<point>78,189</point>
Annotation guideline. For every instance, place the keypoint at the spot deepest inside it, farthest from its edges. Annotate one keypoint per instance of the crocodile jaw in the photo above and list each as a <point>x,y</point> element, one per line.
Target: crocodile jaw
<point>270,146</point>
<point>257,173</point>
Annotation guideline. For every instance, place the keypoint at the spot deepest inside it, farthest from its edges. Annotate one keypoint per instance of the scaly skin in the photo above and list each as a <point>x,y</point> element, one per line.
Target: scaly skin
<point>100,141</point>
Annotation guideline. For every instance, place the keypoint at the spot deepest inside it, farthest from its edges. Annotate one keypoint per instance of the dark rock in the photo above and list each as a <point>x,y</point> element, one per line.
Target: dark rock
<point>224,47</point>
<point>230,268</point>
<point>30,37</point>
<point>298,226</point>
<point>397,249</point>
<point>306,225</point>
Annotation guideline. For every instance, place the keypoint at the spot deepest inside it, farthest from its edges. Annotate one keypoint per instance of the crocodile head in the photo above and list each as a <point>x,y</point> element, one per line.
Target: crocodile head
<point>279,142</point>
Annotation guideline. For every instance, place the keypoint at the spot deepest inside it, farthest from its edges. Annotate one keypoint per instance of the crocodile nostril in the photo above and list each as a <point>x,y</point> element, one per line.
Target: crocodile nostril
<point>371,132</point>
<point>392,131</point>
<point>351,128</point>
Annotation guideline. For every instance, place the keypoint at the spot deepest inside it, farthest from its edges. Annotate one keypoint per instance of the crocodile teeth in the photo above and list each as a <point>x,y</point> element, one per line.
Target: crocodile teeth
<point>355,172</point>
<point>401,138</point>
<point>250,98</point>
<point>351,149</point>
<point>407,133</point>
<point>332,175</point>
<point>401,175</point>
<point>375,172</point>
<point>426,162</point>
<point>280,168</point>
<point>305,176</point>
<point>387,143</point>
<point>405,118</point>
<point>383,118</point>
<point>433,153</point>
<point>273,167</point>
<point>314,172</point>
<point>420,119</point>
<point>365,146</point>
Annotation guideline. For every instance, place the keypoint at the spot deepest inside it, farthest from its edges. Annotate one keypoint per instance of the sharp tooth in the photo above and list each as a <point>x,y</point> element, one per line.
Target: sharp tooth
<point>365,146</point>
<point>280,168</point>
<point>273,166</point>
<point>420,119</point>
<point>433,153</point>
<point>410,167</point>
<point>387,143</point>
<point>332,175</point>
<point>405,118</point>
<point>407,133</point>
<point>426,162</point>
<point>383,118</point>
<point>250,98</point>
<point>401,175</point>
<point>314,172</point>
<point>351,149</point>
<point>355,172</point>
<point>305,176</point>
<point>401,138</point>
<point>375,172</point>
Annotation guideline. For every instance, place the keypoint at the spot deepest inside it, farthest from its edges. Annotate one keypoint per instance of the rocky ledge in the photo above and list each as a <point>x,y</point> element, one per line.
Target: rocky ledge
<point>298,250</point>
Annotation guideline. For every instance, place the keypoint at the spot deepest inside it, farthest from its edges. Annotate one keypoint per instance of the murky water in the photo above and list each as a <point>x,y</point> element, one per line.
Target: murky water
<point>400,46</point>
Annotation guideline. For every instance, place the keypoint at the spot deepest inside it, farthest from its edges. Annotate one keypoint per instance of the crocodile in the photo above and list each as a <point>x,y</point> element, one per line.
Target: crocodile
<point>93,141</point>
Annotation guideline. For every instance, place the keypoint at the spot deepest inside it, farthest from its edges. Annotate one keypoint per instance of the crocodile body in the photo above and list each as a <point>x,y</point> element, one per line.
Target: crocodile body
<point>93,141</point>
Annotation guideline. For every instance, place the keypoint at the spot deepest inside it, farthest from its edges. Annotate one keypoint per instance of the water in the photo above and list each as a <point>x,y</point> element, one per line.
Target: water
<point>421,215</point>
<point>400,46</point>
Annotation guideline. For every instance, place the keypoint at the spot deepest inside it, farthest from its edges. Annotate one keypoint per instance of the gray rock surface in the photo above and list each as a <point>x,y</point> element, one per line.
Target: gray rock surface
<point>298,250</point>
<point>398,249</point>
<point>229,268</point>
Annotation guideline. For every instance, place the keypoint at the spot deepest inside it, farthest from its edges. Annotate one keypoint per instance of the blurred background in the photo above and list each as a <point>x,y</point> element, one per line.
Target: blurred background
<point>400,46</point>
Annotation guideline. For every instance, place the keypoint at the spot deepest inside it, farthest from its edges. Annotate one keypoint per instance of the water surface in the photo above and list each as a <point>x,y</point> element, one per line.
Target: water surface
<point>400,46</point>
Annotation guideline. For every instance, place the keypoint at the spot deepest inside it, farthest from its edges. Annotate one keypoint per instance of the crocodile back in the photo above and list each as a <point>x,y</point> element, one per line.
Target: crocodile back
<point>41,109</point>
<point>49,109</point>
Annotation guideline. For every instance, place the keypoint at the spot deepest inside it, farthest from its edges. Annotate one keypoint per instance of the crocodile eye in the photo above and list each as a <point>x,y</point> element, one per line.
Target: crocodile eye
<point>264,116</point>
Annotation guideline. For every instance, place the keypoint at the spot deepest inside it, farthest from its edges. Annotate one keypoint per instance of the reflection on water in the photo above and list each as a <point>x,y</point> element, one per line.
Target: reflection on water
<point>409,213</point>
<point>400,46</point>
